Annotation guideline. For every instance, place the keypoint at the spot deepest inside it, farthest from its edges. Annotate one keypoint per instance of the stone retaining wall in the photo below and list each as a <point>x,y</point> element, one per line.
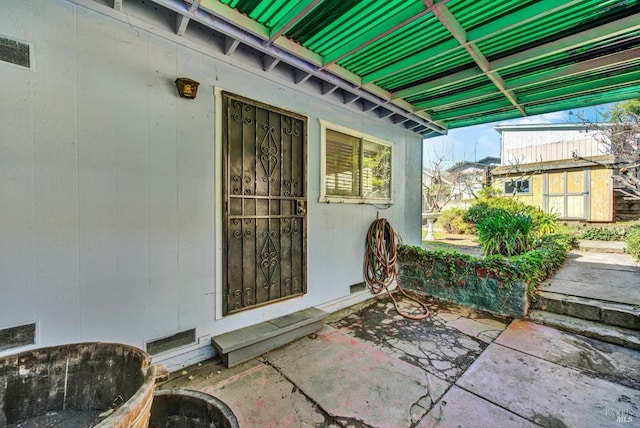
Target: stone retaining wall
<point>468,286</point>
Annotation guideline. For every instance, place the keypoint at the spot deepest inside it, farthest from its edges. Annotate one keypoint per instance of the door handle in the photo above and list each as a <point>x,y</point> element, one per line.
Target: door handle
<point>301,207</point>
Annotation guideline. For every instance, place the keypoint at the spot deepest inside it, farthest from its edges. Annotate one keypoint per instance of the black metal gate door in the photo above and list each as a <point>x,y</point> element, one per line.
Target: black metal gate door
<point>264,171</point>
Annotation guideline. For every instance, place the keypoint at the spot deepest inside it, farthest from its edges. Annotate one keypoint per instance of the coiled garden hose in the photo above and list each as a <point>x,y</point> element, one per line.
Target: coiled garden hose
<point>380,264</point>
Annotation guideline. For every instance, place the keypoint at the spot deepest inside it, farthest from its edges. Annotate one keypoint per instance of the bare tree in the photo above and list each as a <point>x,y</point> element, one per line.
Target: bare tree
<point>617,130</point>
<point>438,186</point>
<point>442,184</point>
<point>519,175</point>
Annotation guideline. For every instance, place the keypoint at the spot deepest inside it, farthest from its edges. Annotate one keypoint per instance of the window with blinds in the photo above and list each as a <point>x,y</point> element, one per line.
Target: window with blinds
<point>356,168</point>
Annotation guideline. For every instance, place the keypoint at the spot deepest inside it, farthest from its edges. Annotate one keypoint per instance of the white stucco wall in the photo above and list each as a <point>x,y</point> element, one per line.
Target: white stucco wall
<point>108,182</point>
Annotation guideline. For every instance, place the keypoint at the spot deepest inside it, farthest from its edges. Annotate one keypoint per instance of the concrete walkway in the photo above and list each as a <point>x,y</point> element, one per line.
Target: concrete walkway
<point>609,277</point>
<point>369,367</point>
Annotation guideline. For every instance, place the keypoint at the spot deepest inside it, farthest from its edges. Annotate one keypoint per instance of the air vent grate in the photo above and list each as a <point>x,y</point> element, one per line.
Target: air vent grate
<point>177,340</point>
<point>14,337</point>
<point>15,52</point>
<point>361,286</point>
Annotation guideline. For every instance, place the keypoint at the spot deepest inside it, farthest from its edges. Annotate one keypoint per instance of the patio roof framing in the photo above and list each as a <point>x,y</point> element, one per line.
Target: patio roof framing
<point>437,64</point>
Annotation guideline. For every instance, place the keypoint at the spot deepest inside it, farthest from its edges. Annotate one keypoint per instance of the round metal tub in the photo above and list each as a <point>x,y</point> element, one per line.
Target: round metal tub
<point>84,384</point>
<point>183,408</point>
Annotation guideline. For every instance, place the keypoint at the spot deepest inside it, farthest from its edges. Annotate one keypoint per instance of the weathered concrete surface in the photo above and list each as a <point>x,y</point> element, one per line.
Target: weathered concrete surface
<point>257,394</point>
<point>371,368</point>
<point>597,282</point>
<point>612,313</point>
<point>461,409</point>
<point>356,383</point>
<point>603,360</point>
<point>600,287</point>
<point>444,345</point>
<point>544,391</point>
<point>607,333</point>
<point>602,246</point>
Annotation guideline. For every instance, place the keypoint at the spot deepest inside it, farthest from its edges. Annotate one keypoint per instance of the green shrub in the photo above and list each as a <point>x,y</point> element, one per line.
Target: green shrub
<point>632,238</point>
<point>452,221</point>
<point>531,267</point>
<point>505,233</point>
<point>601,234</point>
<point>543,223</point>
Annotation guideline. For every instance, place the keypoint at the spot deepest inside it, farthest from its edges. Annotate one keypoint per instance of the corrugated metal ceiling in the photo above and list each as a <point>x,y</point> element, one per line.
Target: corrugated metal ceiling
<point>450,63</point>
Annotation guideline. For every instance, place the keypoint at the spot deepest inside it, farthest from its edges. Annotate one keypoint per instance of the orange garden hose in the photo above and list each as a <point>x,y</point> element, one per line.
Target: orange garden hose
<point>380,264</point>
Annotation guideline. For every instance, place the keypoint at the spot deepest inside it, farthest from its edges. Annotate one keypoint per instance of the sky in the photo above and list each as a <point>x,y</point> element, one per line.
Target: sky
<point>473,143</point>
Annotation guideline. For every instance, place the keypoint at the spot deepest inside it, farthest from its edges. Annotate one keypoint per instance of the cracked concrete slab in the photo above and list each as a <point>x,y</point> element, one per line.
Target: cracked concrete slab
<point>604,360</point>
<point>355,382</point>
<point>444,345</point>
<point>547,393</point>
<point>461,409</point>
<point>370,367</point>
<point>256,392</point>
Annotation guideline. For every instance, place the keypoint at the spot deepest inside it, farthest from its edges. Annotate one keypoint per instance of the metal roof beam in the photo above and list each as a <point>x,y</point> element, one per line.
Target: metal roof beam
<point>301,9</point>
<point>603,83</point>
<point>537,10</point>
<point>300,76</point>
<point>183,20</point>
<point>594,64</point>
<point>239,28</point>
<point>462,96</point>
<point>474,109</point>
<point>349,97</point>
<point>457,31</point>
<point>230,45</point>
<point>269,62</point>
<point>328,88</point>
<point>616,95</point>
<point>371,36</point>
<point>573,41</point>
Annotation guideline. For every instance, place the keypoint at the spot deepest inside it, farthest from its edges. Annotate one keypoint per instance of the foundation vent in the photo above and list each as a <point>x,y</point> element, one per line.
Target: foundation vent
<point>15,337</point>
<point>361,286</point>
<point>15,52</point>
<point>177,340</point>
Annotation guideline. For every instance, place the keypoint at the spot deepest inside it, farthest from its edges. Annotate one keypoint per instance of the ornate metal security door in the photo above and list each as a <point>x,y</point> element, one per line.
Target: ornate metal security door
<point>264,167</point>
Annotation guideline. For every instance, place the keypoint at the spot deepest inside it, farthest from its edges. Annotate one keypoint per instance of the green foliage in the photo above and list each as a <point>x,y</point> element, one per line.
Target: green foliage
<point>531,267</point>
<point>632,238</point>
<point>504,233</point>
<point>452,221</point>
<point>601,234</point>
<point>543,223</point>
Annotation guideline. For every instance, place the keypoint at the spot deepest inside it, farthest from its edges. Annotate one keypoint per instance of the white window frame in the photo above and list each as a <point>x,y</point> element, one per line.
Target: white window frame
<point>324,125</point>
<point>517,192</point>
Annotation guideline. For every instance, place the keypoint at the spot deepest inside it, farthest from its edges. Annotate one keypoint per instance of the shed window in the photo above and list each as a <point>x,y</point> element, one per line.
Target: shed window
<point>357,168</point>
<point>512,187</point>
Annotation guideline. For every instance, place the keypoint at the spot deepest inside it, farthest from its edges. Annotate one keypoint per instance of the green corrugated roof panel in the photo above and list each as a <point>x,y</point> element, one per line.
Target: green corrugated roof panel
<point>542,54</point>
<point>577,18</point>
<point>424,33</point>
<point>442,66</point>
<point>473,13</point>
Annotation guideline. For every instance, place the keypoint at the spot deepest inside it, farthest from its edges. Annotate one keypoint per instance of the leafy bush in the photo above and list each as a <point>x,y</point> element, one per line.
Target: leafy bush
<point>543,223</point>
<point>632,238</point>
<point>531,267</point>
<point>601,234</point>
<point>504,233</point>
<point>452,221</point>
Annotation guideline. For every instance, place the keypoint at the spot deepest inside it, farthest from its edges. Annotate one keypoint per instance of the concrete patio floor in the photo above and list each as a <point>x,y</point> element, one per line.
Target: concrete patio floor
<point>369,367</point>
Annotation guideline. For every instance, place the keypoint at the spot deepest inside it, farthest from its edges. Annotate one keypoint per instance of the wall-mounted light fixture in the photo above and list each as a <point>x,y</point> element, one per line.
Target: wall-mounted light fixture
<point>187,88</point>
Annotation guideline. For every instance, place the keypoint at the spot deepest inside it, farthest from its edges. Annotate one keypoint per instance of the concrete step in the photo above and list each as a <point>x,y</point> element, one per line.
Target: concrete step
<point>607,333</point>
<point>605,312</point>
<point>619,247</point>
<point>241,345</point>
